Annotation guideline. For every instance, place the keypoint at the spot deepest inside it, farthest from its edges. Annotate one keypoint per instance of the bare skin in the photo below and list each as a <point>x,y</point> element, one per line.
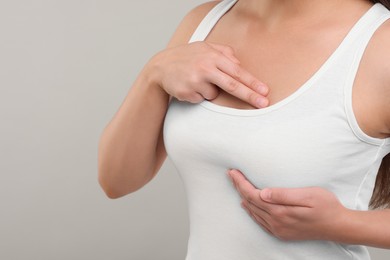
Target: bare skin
<point>267,38</point>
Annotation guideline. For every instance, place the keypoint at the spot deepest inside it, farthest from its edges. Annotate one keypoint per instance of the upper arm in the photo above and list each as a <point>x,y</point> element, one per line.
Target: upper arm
<point>371,102</point>
<point>382,42</point>
<point>181,36</point>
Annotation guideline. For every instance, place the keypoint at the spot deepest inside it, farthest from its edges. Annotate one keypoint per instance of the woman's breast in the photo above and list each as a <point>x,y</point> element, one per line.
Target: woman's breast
<point>282,148</point>
<point>270,150</point>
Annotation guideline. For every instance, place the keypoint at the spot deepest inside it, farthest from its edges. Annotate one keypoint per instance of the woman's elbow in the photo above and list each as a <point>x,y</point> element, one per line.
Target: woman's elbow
<point>110,186</point>
<point>115,188</point>
<point>110,190</point>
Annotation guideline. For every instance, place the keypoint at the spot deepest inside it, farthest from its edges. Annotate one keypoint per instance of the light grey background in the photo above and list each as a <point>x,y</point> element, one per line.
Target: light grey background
<point>65,67</point>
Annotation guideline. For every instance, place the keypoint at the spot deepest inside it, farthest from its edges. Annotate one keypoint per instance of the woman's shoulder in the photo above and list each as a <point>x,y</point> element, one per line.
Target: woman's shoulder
<point>378,48</point>
<point>190,22</point>
<point>378,54</point>
<point>376,66</point>
<point>201,10</point>
<point>383,52</point>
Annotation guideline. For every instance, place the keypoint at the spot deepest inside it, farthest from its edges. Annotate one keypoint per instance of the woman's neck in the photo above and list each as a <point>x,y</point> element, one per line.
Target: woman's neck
<point>276,14</point>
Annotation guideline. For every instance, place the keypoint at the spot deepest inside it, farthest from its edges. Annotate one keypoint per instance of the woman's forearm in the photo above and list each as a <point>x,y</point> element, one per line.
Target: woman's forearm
<point>371,228</point>
<point>127,148</point>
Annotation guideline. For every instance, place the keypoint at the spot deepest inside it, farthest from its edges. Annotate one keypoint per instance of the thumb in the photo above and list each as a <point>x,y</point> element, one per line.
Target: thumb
<point>288,196</point>
<point>226,50</point>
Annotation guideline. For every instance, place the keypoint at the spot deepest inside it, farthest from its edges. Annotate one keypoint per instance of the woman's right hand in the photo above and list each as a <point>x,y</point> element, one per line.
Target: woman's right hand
<point>194,72</point>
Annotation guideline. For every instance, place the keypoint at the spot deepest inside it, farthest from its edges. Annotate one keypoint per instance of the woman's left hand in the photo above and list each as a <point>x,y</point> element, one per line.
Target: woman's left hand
<point>311,213</point>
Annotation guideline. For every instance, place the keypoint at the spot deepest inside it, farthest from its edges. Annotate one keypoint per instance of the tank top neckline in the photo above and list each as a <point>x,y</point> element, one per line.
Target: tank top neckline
<point>350,36</point>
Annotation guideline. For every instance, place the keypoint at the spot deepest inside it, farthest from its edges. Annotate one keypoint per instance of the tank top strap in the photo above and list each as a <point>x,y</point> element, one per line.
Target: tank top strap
<point>209,21</point>
<point>364,31</point>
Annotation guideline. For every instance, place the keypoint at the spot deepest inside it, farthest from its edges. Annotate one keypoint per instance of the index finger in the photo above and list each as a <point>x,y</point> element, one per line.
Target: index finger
<point>242,84</point>
<point>246,189</point>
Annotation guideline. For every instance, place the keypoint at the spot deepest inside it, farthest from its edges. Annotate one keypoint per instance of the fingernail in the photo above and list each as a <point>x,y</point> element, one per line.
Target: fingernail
<point>266,194</point>
<point>262,102</point>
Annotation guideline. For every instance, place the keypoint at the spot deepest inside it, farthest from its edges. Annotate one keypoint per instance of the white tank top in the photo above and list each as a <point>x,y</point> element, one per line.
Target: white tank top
<point>311,138</point>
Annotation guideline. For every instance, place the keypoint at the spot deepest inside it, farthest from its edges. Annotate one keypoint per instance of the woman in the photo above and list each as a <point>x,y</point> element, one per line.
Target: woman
<point>293,95</point>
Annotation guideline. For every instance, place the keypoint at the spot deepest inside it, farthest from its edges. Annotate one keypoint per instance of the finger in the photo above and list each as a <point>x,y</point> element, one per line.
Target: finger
<point>243,76</point>
<point>237,177</point>
<point>244,187</point>
<point>195,98</point>
<point>210,92</point>
<point>258,219</point>
<point>237,89</point>
<point>226,50</point>
<point>262,209</point>
<point>289,196</point>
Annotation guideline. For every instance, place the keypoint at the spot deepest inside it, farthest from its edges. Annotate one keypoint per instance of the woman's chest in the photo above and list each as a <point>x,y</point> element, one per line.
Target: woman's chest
<point>285,63</point>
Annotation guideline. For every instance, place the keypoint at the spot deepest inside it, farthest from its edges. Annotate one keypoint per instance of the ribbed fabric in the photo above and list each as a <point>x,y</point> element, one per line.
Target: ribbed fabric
<point>311,138</point>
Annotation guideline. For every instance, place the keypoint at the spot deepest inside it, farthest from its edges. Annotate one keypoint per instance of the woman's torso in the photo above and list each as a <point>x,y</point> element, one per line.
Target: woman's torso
<point>309,136</point>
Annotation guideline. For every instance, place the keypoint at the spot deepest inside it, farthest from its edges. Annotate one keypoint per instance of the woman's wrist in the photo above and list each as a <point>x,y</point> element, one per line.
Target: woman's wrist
<point>343,227</point>
<point>151,73</point>
<point>370,228</point>
<point>148,85</point>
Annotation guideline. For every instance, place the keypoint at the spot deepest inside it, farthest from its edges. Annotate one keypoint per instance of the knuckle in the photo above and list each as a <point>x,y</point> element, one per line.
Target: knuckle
<point>253,84</point>
<point>195,98</point>
<point>194,78</point>
<point>229,49</point>
<point>199,66</point>
<point>211,93</point>
<point>178,95</point>
<point>201,69</point>
<point>182,94</point>
<point>252,97</point>
<point>236,71</point>
<point>279,212</point>
<point>250,197</point>
<point>231,85</point>
<point>212,54</point>
<point>253,197</point>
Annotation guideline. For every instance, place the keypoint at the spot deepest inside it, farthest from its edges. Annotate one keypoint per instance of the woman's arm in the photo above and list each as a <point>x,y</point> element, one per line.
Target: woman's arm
<point>371,228</point>
<point>131,148</point>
